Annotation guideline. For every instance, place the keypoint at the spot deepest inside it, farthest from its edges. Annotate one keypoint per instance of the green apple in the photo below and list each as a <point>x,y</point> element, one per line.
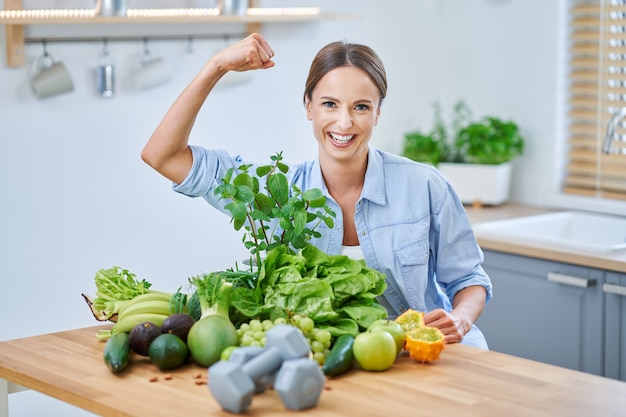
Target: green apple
<point>374,351</point>
<point>391,327</point>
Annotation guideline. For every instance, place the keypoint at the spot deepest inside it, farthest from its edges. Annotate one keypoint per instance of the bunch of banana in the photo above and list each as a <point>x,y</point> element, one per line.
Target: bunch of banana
<point>154,307</point>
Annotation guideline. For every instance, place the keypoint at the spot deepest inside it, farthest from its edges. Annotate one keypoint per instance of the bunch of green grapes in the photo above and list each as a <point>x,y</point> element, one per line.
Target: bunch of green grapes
<point>253,334</point>
<point>319,339</point>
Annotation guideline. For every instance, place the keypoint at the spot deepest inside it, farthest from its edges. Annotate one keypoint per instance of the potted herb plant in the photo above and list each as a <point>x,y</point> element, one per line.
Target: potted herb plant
<point>429,147</point>
<point>477,156</point>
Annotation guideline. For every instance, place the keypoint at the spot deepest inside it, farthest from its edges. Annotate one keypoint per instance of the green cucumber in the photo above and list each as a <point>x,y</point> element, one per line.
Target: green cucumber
<point>340,359</point>
<point>117,352</point>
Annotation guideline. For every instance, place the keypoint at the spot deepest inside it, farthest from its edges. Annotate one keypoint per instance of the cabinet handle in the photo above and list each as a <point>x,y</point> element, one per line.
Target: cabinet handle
<point>571,280</point>
<point>614,289</point>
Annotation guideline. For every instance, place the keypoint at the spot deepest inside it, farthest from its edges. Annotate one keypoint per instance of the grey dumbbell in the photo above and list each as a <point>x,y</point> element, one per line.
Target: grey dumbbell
<point>232,385</point>
<point>243,354</point>
<point>299,383</point>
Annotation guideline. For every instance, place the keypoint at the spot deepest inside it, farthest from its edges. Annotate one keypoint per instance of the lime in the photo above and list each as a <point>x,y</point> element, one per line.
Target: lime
<point>227,352</point>
<point>168,351</point>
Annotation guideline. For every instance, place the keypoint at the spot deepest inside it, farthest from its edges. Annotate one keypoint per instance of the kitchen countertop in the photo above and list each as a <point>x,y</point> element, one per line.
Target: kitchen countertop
<point>465,381</point>
<point>611,261</point>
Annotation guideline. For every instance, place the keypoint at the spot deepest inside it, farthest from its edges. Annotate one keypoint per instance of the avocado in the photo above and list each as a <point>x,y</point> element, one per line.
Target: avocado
<point>142,335</point>
<point>178,324</point>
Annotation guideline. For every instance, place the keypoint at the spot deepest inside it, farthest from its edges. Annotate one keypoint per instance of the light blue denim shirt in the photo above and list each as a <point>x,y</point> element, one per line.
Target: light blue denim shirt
<point>410,223</point>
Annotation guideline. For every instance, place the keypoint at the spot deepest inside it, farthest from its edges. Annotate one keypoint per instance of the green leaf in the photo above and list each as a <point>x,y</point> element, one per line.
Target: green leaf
<point>259,215</point>
<point>243,179</point>
<point>299,241</point>
<point>238,223</point>
<point>285,224</point>
<point>341,326</point>
<point>299,221</point>
<point>282,167</point>
<point>278,187</point>
<point>237,209</point>
<point>244,167</point>
<point>329,222</point>
<point>264,203</point>
<point>364,315</point>
<point>297,205</point>
<point>228,175</point>
<point>228,190</point>
<point>320,202</point>
<point>255,185</point>
<point>264,170</point>
<point>313,194</point>
<point>244,194</point>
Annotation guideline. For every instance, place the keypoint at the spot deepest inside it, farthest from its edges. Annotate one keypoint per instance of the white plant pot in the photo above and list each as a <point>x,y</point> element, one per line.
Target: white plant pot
<point>477,183</point>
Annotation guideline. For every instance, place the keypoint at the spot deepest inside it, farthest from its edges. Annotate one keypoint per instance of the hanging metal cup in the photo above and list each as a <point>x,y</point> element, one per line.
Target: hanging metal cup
<point>233,7</point>
<point>49,77</point>
<point>150,71</point>
<point>111,7</point>
<point>105,73</point>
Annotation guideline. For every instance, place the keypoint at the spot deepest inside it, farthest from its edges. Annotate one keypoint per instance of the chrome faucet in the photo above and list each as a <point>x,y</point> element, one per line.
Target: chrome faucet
<point>607,146</point>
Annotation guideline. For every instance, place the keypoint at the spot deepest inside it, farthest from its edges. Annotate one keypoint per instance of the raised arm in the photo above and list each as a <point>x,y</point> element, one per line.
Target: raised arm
<point>167,150</point>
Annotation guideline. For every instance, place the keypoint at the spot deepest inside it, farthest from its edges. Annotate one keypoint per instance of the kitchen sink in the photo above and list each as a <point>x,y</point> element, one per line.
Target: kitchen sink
<point>570,229</point>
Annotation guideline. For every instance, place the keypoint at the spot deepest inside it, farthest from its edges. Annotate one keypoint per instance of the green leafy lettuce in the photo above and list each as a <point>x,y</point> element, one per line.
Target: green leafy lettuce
<point>337,292</point>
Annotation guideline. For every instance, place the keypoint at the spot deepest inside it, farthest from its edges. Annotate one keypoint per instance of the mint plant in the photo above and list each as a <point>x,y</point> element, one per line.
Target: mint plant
<point>294,213</point>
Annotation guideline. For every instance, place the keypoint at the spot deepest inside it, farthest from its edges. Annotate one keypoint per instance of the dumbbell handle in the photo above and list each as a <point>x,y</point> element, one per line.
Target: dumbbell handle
<point>264,363</point>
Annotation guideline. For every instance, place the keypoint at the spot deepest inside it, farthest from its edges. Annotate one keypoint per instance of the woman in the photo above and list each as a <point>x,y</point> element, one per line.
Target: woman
<point>402,217</point>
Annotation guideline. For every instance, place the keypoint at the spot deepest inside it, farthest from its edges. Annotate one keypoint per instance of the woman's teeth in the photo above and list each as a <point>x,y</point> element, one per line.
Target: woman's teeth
<point>341,138</point>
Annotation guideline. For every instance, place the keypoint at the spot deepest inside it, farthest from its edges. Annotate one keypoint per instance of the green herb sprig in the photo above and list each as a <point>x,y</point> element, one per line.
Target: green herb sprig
<point>294,213</point>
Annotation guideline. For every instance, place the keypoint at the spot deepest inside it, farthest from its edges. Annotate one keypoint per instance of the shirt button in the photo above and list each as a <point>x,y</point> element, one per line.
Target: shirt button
<point>363,233</point>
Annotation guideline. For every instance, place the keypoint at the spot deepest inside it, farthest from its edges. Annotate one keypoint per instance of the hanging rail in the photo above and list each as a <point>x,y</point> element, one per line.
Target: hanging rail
<point>86,39</point>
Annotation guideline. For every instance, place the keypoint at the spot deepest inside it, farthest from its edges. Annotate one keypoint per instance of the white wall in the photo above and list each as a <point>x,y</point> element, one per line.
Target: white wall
<point>76,197</point>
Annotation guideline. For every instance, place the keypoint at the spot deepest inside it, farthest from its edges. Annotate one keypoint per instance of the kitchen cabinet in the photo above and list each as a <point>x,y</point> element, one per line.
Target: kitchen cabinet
<point>546,311</point>
<point>615,326</point>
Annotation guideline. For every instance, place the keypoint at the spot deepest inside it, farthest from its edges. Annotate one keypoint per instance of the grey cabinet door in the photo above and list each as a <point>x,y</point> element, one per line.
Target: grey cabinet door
<point>545,311</point>
<point>615,319</point>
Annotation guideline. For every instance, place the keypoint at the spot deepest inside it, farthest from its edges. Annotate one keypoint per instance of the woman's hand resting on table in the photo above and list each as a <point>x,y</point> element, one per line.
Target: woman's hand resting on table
<point>467,305</point>
<point>453,328</point>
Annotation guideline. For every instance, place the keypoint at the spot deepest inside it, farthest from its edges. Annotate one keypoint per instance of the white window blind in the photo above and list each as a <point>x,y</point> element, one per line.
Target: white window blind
<point>597,90</point>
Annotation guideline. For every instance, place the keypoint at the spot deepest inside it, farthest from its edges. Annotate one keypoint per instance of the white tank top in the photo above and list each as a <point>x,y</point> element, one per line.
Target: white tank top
<point>352,252</point>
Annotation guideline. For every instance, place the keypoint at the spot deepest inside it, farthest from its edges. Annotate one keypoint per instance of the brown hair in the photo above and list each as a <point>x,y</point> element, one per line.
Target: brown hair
<point>342,54</point>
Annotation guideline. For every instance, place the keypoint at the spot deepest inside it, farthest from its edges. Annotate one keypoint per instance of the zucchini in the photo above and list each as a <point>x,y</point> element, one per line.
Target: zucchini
<point>340,358</point>
<point>117,352</point>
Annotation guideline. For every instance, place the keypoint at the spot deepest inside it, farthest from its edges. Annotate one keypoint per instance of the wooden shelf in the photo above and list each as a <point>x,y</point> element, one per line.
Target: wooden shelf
<point>85,20</point>
<point>15,19</point>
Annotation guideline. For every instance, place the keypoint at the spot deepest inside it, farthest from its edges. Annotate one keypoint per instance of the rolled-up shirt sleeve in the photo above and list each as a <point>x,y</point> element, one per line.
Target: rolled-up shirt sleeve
<point>459,258</point>
<point>207,170</point>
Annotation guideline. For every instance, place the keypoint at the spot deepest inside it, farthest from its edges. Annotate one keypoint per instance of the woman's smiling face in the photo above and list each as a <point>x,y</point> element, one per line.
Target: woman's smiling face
<point>344,109</point>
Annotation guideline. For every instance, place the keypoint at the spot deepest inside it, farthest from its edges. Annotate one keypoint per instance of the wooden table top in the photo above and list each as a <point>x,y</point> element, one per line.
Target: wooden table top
<point>465,381</point>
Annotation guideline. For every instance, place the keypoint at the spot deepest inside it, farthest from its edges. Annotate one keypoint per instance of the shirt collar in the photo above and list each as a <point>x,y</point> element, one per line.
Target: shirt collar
<point>374,186</point>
